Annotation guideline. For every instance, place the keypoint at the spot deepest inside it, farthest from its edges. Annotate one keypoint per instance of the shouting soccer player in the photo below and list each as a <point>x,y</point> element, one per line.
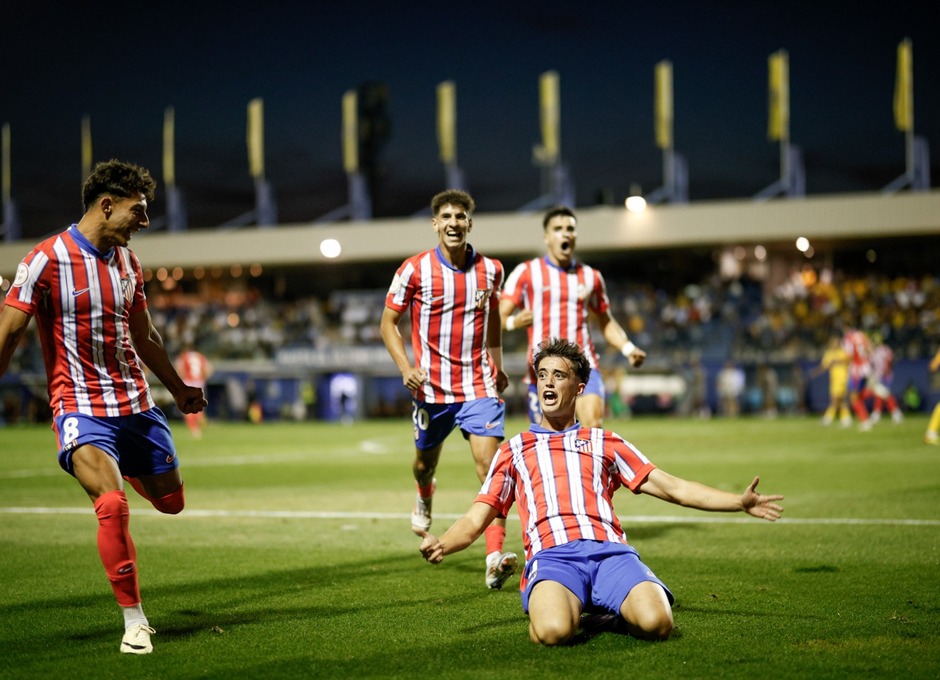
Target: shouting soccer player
<point>556,296</point>
<point>86,290</point>
<point>561,477</point>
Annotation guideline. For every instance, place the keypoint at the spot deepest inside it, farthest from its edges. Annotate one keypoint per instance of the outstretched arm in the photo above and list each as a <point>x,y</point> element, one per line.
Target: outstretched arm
<point>461,534</point>
<point>695,495</point>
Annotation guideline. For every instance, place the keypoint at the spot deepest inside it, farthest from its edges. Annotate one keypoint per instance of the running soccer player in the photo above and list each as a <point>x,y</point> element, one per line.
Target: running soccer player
<point>195,369</point>
<point>451,292</point>
<point>561,477</point>
<point>878,386</point>
<point>85,288</point>
<point>557,296</point>
<point>858,347</point>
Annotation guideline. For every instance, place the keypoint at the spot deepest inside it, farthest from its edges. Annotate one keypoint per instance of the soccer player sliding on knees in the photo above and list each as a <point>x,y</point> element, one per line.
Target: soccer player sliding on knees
<point>562,477</point>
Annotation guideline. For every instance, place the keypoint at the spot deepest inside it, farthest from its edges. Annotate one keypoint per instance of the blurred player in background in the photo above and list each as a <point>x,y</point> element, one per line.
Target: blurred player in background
<point>878,385</point>
<point>858,347</point>
<point>452,292</point>
<point>558,295</point>
<point>836,360</point>
<point>195,369</point>
<point>561,477</point>
<point>85,288</point>
<point>932,435</point>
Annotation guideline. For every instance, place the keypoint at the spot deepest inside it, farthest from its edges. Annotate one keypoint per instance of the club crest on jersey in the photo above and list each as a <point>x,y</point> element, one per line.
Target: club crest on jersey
<point>583,445</point>
<point>127,288</point>
<point>480,297</point>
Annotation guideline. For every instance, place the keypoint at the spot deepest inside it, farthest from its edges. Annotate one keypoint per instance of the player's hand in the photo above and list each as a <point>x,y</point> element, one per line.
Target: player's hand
<point>431,548</point>
<point>637,357</point>
<point>502,381</point>
<point>414,379</point>
<point>759,505</point>
<point>191,400</point>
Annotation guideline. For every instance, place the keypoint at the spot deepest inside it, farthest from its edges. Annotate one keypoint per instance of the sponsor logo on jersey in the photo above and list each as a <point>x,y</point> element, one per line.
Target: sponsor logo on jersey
<point>78,291</point>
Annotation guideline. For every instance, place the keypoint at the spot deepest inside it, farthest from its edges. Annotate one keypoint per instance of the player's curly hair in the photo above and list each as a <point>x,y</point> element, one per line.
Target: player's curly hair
<point>565,349</point>
<point>453,197</point>
<point>117,178</point>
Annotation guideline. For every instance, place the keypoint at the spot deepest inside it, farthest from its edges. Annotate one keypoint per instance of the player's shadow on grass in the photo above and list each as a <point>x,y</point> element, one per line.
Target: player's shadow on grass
<point>266,596</point>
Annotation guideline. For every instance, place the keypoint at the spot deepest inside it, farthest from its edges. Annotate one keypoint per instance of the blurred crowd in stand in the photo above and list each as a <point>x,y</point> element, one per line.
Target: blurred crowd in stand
<point>748,323</point>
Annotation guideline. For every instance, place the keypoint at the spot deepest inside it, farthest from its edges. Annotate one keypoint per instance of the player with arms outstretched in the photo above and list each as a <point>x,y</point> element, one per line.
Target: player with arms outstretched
<point>561,476</point>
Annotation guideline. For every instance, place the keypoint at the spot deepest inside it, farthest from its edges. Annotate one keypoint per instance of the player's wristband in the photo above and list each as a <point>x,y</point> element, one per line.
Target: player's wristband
<point>510,323</point>
<point>628,349</point>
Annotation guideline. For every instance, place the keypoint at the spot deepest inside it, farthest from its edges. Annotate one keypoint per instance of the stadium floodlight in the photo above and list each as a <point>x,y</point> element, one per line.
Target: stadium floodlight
<point>635,202</point>
<point>330,248</point>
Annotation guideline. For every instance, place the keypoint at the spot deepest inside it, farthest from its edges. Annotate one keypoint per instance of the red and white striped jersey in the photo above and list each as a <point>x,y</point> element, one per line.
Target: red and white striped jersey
<point>858,347</point>
<point>560,301</point>
<point>563,484</point>
<point>193,367</point>
<point>882,363</point>
<point>450,310</point>
<point>82,300</point>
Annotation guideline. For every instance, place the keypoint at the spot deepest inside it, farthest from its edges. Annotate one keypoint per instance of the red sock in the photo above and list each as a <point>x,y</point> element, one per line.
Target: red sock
<point>116,547</point>
<point>138,487</point>
<point>859,407</point>
<point>171,504</point>
<point>494,535</point>
<point>426,491</point>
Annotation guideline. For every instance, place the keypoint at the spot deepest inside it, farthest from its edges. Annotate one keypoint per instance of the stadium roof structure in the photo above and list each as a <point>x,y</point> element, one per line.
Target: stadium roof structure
<point>606,229</point>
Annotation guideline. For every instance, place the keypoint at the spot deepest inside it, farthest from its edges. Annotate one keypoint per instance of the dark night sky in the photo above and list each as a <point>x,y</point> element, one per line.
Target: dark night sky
<point>122,65</point>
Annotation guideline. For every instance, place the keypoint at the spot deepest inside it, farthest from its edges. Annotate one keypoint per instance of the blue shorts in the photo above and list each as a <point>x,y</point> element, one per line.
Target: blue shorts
<point>595,385</point>
<point>600,573</point>
<point>141,444</point>
<point>433,422</point>
<point>856,383</point>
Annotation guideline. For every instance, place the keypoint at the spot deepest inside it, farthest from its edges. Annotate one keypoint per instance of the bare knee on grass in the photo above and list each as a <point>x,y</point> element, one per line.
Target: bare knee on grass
<point>647,612</point>
<point>554,614</point>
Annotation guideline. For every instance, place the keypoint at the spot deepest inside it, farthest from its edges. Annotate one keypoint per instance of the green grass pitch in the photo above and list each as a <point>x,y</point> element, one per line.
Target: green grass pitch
<point>294,558</point>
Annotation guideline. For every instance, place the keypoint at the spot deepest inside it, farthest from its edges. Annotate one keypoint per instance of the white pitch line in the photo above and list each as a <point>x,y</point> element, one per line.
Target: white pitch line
<point>625,519</point>
<point>371,447</point>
